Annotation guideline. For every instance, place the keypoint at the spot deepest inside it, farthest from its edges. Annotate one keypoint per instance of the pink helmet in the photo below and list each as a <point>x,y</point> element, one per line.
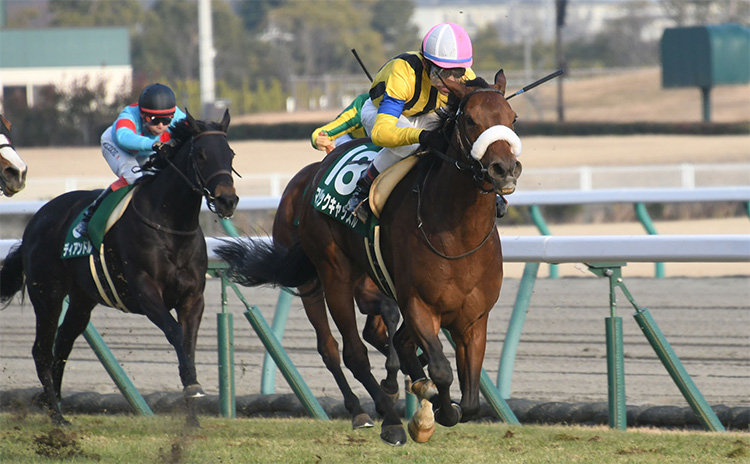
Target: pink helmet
<point>448,46</point>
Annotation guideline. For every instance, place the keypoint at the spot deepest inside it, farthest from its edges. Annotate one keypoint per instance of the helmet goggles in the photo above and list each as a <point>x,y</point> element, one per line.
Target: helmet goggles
<point>155,120</point>
<point>438,73</point>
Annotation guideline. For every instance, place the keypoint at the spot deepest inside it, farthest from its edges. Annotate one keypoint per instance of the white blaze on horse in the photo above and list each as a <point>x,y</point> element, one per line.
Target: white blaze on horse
<point>12,168</point>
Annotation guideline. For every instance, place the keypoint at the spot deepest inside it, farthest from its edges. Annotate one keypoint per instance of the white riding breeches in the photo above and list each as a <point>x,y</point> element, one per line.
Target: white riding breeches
<point>388,156</point>
<point>120,161</point>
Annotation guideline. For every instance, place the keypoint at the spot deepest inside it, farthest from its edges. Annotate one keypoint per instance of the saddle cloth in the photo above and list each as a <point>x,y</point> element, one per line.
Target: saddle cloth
<point>105,216</point>
<point>338,184</point>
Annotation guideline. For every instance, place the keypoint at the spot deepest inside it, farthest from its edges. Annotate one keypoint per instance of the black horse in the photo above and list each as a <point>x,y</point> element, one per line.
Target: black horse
<point>155,255</point>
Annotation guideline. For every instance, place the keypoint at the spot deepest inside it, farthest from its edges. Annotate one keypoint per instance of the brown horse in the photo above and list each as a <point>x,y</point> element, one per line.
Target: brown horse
<point>382,312</point>
<point>445,260</point>
<point>12,168</point>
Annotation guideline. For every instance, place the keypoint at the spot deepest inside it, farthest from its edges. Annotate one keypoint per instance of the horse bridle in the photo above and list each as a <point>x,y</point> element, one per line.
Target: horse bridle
<point>478,172</point>
<point>200,184</point>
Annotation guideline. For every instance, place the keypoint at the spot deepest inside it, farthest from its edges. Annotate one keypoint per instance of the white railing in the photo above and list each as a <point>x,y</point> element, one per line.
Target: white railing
<point>594,249</point>
<point>685,176</point>
<point>547,197</point>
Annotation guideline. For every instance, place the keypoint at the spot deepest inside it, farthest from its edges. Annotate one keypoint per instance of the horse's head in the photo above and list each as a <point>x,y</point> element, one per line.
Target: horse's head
<point>483,132</point>
<point>12,168</point>
<point>211,162</point>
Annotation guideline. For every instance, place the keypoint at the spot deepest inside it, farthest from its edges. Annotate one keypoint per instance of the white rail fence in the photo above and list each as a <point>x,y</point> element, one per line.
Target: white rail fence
<point>544,197</point>
<point>685,176</point>
<point>572,249</point>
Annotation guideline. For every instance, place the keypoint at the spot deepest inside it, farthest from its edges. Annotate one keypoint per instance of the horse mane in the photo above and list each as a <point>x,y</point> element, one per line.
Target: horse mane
<point>180,134</point>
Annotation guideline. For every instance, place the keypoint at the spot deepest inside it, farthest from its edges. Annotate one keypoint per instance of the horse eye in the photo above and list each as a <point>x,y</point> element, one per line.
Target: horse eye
<point>469,121</point>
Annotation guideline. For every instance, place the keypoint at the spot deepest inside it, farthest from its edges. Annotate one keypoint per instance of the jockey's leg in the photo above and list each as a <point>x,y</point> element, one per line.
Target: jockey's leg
<point>82,229</point>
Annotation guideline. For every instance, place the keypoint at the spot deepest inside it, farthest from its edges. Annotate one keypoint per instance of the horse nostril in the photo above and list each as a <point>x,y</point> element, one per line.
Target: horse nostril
<point>497,170</point>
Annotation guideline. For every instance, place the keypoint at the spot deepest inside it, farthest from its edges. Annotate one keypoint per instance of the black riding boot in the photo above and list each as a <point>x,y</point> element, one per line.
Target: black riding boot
<point>82,229</point>
<point>358,204</point>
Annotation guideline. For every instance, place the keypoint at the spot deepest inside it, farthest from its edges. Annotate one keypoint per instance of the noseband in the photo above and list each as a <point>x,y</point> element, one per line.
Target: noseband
<point>468,163</point>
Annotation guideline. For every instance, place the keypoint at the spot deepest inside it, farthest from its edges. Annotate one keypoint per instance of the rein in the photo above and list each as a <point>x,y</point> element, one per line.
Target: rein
<point>202,183</point>
<point>201,188</point>
<point>424,234</point>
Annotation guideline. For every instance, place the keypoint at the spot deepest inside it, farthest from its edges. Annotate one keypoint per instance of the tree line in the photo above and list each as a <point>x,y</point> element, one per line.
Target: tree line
<point>261,44</point>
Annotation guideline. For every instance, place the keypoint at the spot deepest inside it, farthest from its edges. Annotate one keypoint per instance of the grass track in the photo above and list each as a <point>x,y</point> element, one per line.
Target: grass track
<point>29,438</point>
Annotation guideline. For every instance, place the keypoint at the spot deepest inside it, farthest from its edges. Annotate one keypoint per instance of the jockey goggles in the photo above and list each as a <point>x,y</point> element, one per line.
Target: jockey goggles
<point>445,73</point>
<point>154,120</point>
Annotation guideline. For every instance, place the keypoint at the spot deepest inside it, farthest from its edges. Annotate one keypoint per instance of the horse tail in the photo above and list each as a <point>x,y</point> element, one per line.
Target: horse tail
<point>256,262</point>
<point>11,276</point>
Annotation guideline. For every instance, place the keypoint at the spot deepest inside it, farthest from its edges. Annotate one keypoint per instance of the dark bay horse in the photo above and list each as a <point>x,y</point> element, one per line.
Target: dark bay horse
<point>155,255</point>
<point>439,243</point>
<point>382,312</point>
<point>12,168</point>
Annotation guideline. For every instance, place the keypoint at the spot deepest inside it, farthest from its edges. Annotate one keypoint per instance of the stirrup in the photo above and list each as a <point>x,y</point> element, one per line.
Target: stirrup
<point>361,210</point>
<point>81,230</point>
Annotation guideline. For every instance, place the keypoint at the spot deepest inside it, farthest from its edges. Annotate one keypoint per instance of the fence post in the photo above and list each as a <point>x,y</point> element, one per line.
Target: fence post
<point>536,216</point>
<point>268,381</point>
<point>642,213</point>
<point>515,327</point>
<point>224,327</point>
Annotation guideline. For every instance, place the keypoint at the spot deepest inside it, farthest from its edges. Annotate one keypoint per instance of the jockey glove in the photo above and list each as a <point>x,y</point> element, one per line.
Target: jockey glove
<point>433,140</point>
<point>157,146</point>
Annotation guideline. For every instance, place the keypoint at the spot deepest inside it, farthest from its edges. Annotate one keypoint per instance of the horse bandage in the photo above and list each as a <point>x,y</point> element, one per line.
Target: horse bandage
<point>493,134</point>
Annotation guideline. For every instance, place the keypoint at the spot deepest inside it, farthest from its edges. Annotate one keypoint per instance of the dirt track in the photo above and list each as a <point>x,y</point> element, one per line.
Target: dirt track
<point>561,357</point>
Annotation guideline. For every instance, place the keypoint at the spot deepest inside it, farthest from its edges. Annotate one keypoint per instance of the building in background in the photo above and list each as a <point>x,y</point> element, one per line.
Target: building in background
<point>31,59</point>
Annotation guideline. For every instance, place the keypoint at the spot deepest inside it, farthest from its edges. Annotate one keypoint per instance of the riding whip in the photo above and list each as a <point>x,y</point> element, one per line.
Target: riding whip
<point>361,64</point>
<point>539,82</point>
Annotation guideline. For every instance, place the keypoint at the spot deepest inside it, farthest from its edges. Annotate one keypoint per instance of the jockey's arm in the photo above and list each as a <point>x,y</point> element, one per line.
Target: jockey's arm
<point>385,132</point>
<point>126,137</point>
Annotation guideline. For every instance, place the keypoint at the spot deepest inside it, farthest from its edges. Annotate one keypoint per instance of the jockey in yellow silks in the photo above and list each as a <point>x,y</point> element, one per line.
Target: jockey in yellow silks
<point>406,91</point>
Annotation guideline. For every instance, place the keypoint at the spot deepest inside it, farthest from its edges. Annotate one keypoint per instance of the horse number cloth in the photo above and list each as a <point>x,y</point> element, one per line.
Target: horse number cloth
<point>338,184</point>
<point>84,246</point>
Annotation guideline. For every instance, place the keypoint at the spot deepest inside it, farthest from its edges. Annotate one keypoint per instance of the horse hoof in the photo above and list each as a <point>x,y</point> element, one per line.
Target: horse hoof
<point>60,421</point>
<point>424,388</point>
<point>422,424</point>
<point>362,421</point>
<point>192,423</point>
<point>450,418</point>
<point>394,435</point>
<point>193,391</point>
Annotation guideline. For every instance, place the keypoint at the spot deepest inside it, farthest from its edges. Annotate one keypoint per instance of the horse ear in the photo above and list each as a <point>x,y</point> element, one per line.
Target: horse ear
<point>192,123</point>
<point>500,81</point>
<point>225,121</point>
<point>5,122</point>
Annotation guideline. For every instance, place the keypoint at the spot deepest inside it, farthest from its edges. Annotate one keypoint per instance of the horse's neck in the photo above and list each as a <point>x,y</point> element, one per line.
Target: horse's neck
<point>457,201</point>
<point>170,201</point>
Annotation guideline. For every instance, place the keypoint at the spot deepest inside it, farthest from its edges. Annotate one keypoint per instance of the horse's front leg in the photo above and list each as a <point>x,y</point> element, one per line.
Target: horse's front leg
<point>157,312</point>
<point>424,324</point>
<point>470,349</point>
<point>189,315</point>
